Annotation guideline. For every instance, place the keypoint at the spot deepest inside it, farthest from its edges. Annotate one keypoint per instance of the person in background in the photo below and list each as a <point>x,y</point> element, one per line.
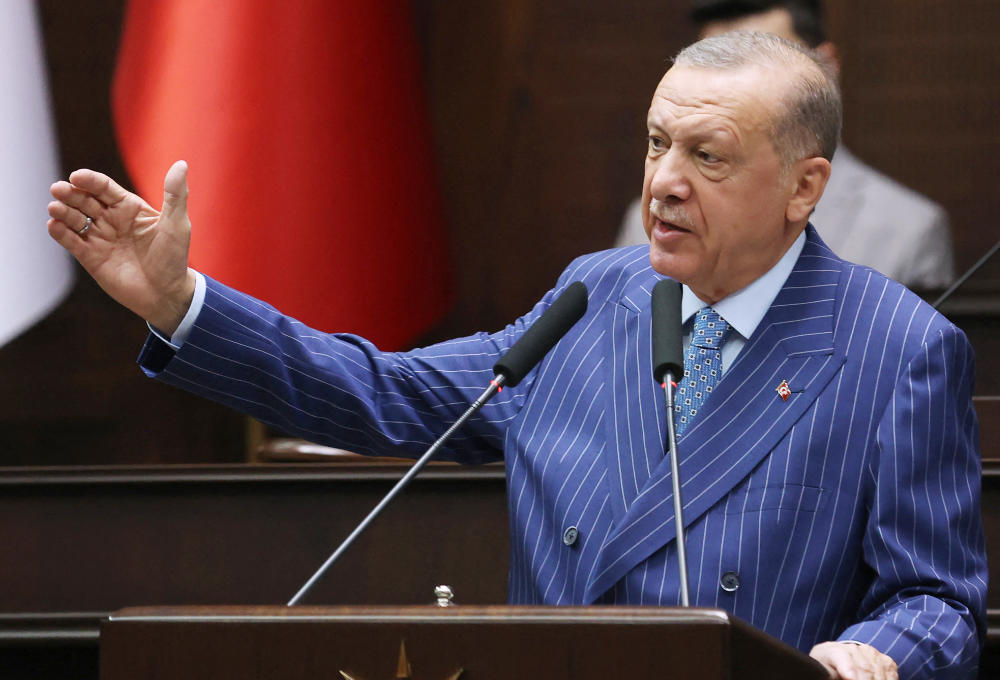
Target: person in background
<point>864,216</point>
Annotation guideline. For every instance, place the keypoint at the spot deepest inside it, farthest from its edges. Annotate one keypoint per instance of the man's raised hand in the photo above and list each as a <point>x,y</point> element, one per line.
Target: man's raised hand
<point>137,254</point>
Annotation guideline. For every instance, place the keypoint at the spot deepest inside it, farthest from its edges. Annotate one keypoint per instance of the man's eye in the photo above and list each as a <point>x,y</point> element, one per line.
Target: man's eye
<point>656,143</point>
<point>708,157</point>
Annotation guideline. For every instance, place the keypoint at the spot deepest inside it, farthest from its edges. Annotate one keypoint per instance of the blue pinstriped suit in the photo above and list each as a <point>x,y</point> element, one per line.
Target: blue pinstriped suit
<point>848,511</point>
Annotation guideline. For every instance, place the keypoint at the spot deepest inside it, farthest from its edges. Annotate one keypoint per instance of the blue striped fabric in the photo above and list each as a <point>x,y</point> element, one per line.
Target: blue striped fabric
<point>848,511</point>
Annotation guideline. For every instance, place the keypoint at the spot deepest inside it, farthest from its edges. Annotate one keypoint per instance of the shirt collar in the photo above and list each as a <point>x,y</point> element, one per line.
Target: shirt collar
<point>744,309</point>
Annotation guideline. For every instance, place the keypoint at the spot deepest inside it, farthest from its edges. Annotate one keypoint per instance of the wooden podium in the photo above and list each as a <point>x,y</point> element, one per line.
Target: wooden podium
<point>442,643</point>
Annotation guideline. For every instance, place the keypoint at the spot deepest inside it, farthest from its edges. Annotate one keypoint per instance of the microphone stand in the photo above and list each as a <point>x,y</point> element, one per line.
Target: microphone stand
<point>495,386</point>
<point>529,349</point>
<point>669,385</point>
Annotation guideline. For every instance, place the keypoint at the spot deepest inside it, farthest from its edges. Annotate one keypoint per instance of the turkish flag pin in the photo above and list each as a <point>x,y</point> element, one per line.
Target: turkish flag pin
<point>784,391</point>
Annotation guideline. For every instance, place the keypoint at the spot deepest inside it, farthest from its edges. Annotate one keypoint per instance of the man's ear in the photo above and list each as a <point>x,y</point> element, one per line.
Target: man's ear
<point>810,176</point>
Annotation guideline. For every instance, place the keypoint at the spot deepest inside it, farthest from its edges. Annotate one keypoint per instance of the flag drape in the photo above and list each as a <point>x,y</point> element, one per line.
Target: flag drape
<point>306,134</point>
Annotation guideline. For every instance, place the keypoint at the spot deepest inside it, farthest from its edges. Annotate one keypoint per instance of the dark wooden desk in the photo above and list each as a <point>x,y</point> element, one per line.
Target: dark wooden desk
<point>481,643</point>
<point>79,543</point>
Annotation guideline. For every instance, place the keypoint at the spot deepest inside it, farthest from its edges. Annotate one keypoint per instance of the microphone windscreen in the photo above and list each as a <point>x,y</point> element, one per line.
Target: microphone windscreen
<point>668,351</point>
<point>543,334</point>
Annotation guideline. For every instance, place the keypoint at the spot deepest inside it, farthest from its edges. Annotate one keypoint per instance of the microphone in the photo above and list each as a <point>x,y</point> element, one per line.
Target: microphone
<point>543,334</point>
<point>668,354</point>
<point>530,348</point>
<point>668,366</point>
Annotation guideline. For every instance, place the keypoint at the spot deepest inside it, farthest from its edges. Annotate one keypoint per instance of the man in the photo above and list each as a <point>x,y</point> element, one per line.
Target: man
<point>831,476</point>
<point>865,217</point>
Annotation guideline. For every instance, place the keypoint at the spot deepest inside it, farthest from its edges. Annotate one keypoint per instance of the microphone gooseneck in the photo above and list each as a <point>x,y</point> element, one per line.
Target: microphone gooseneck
<point>567,309</point>
<point>965,277</point>
<point>668,367</point>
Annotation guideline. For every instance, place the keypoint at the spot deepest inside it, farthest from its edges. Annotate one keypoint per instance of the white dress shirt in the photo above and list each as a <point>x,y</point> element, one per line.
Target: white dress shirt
<point>744,309</point>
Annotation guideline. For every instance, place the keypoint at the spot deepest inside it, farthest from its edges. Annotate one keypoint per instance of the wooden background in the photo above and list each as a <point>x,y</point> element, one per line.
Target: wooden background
<point>537,111</point>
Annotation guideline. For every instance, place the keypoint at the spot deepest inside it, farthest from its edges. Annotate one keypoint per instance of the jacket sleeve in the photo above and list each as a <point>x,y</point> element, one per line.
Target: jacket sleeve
<point>339,389</point>
<point>924,537</point>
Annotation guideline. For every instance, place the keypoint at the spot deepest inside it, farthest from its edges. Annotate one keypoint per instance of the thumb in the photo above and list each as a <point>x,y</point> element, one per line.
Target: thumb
<point>175,191</point>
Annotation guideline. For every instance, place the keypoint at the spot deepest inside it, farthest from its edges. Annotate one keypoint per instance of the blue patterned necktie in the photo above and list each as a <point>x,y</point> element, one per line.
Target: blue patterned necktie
<point>702,366</point>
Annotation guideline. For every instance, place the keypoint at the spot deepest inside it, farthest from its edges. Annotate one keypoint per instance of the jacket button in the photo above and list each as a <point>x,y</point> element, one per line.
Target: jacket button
<point>730,582</point>
<point>570,535</point>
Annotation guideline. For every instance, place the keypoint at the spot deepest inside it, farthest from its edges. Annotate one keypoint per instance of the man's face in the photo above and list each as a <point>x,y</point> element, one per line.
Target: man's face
<point>720,198</point>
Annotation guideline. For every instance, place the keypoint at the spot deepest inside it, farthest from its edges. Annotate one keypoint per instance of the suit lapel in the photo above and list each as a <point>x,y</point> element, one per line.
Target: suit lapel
<point>635,426</point>
<point>738,426</point>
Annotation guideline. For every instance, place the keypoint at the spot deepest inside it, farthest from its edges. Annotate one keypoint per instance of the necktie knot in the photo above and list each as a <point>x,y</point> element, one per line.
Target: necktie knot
<point>710,329</point>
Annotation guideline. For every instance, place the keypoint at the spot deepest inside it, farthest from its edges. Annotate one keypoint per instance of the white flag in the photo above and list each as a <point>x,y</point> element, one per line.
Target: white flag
<point>35,272</point>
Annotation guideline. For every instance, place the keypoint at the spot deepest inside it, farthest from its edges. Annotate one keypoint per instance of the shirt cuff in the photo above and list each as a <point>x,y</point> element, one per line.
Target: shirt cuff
<point>187,323</point>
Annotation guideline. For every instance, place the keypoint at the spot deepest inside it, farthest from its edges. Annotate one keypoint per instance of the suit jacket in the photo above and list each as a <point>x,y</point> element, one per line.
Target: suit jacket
<point>868,218</point>
<point>849,510</point>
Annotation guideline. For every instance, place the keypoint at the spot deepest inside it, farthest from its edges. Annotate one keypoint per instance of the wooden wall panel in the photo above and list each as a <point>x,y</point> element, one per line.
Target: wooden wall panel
<point>539,114</point>
<point>922,101</point>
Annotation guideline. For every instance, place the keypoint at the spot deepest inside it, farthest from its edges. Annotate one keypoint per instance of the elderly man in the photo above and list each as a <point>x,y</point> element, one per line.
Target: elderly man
<point>828,459</point>
<point>864,216</point>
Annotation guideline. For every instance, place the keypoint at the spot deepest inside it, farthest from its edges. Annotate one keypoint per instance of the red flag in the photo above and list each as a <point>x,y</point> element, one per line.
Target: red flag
<point>303,123</point>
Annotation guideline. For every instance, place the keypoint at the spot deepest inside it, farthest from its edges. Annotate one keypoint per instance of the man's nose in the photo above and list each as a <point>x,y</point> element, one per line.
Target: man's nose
<point>670,177</point>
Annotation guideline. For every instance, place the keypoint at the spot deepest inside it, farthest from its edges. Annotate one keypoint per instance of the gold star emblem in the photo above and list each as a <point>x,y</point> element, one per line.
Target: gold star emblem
<point>403,670</point>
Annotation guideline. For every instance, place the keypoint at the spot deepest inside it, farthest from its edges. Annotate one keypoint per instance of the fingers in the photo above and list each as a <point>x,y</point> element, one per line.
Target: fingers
<point>65,237</point>
<point>73,219</point>
<point>75,197</point>
<point>99,185</point>
<point>175,191</point>
<point>850,661</point>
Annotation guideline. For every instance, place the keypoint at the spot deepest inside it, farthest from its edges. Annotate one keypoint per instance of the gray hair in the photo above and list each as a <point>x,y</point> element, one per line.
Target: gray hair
<point>810,123</point>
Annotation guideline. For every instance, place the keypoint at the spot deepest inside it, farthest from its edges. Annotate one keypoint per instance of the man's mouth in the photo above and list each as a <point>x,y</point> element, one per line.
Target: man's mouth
<point>670,219</point>
<point>669,226</point>
<point>664,227</point>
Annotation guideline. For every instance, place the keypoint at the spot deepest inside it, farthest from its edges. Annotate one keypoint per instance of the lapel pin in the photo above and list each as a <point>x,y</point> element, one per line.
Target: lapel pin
<point>783,391</point>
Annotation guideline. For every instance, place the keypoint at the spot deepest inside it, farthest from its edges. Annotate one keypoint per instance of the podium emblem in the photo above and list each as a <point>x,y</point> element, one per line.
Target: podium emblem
<point>403,670</point>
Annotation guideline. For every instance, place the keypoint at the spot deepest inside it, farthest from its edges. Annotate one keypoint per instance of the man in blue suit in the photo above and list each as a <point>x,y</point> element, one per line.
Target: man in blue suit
<point>828,450</point>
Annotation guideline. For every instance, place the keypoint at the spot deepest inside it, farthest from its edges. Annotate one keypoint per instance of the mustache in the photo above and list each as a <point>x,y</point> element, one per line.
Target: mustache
<point>670,213</point>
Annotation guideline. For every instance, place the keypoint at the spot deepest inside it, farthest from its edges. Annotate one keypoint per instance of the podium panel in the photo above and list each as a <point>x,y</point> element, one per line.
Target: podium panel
<point>442,643</point>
